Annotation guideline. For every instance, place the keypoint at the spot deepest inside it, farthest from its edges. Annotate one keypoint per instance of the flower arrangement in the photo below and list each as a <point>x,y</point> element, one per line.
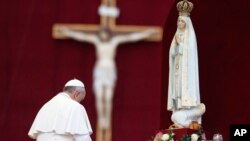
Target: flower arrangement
<point>194,137</point>
<point>161,136</point>
<point>164,137</point>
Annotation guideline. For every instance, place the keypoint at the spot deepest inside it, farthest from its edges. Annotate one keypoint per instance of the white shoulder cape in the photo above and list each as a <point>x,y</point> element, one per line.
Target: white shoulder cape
<point>61,115</point>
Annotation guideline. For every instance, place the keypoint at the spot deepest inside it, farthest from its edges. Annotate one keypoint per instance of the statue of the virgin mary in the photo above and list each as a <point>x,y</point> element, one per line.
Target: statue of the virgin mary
<point>183,90</point>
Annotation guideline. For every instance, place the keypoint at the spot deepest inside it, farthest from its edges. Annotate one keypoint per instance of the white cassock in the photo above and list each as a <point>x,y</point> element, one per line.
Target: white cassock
<point>61,119</point>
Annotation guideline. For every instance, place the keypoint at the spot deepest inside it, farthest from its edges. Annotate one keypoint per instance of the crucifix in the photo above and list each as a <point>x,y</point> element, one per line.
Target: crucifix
<point>106,37</point>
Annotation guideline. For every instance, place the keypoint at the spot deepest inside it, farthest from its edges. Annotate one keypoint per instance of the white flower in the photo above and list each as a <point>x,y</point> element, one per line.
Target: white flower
<point>194,137</point>
<point>165,137</point>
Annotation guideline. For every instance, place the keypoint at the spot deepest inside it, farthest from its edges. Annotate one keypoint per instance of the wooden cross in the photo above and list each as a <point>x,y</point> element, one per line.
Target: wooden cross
<point>108,14</point>
<point>108,22</point>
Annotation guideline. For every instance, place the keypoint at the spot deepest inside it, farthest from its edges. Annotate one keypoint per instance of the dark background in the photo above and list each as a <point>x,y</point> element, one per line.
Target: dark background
<point>34,66</point>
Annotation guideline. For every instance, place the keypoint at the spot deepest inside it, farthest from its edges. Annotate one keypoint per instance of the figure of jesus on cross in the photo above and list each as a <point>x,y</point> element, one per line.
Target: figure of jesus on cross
<point>106,39</point>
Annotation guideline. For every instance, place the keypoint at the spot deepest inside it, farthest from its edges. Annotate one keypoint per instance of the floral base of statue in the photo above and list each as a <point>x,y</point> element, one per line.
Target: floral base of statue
<point>180,134</point>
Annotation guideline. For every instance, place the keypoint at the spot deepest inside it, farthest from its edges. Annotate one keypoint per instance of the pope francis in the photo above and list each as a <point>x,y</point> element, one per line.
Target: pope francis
<point>63,118</point>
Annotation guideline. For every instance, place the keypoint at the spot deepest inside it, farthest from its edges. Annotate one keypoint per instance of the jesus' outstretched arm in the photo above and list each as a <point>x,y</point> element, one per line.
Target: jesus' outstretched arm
<point>134,37</point>
<point>79,36</point>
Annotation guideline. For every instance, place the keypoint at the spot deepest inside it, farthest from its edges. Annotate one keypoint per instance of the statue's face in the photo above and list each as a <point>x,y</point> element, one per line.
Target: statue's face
<point>181,24</point>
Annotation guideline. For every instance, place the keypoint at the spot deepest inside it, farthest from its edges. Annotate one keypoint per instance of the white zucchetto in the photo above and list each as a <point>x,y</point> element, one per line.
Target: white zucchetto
<point>75,83</point>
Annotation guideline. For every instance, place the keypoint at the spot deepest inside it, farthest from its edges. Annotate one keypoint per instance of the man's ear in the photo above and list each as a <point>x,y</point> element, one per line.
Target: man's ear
<point>75,94</point>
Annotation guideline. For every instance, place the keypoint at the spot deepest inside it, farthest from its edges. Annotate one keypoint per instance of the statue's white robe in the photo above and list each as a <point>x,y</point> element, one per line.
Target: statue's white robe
<point>62,119</point>
<point>183,90</point>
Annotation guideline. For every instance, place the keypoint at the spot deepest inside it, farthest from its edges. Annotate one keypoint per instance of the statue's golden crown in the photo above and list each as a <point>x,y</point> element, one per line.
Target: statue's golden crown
<point>184,7</point>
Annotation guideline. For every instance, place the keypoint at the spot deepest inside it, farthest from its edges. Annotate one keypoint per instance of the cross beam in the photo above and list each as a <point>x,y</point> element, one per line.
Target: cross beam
<point>107,22</point>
